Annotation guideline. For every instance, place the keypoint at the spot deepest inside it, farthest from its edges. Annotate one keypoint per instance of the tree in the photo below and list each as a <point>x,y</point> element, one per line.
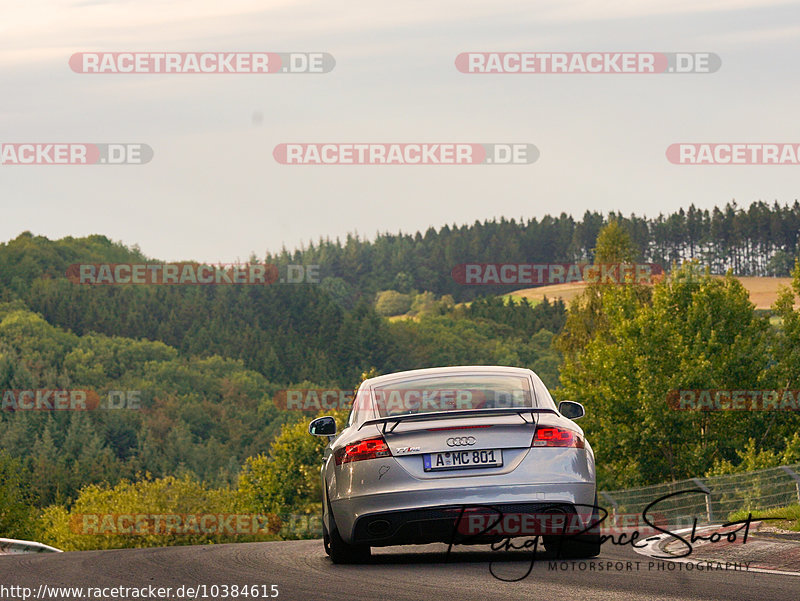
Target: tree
<point>786,370</point>
<point>696,333</point>
<point>614,245</point>
<point>286,479</point>
<point>391,302</point>
<point>16,511</point>
<point>587,315</point>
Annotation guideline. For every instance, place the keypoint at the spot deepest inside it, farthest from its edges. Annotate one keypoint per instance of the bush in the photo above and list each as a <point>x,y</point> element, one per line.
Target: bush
<point>93,521</point>
<point>288,479</point>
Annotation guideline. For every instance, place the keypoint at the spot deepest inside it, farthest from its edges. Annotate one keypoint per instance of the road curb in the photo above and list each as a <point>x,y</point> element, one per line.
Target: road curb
<point>656,547</point>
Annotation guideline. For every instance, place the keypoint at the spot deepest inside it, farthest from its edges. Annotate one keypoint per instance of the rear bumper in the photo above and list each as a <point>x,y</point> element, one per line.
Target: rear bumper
<point>425,516</point>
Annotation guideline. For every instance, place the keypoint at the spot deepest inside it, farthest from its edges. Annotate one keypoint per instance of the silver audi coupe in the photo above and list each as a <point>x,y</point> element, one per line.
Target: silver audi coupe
<point>460,455</point>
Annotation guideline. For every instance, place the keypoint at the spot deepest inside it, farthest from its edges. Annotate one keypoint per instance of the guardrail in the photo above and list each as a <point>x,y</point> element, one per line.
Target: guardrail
<point>11,546</point>
<point>762,489</point>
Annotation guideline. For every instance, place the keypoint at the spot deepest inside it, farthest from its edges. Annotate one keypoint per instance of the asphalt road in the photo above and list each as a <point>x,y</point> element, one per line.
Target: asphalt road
<point>302,571</point>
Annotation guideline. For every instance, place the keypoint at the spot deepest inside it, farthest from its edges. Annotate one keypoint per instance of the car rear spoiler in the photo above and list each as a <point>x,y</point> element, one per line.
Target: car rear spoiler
<point>434,415</point>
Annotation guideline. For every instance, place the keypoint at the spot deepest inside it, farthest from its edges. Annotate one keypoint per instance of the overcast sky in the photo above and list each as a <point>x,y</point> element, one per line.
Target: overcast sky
<point>213,191</point>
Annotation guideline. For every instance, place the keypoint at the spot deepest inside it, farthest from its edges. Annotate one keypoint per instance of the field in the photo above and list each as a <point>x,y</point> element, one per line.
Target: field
<point>763,291</point>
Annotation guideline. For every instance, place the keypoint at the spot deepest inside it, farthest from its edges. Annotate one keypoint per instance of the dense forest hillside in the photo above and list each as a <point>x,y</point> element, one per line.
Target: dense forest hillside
<point>205,362</point>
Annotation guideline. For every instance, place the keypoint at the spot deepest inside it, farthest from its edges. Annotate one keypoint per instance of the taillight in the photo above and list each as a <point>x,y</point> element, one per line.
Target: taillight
<point>549,436</point>
<point>371,448</point>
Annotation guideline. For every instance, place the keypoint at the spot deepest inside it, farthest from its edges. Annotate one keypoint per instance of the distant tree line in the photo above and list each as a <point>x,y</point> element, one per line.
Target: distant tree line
<point>761,240</point>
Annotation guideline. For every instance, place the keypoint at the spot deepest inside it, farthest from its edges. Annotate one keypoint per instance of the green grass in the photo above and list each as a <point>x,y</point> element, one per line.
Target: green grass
<point>792,512</point>
<point>403,317</point>
<point>517,298</point>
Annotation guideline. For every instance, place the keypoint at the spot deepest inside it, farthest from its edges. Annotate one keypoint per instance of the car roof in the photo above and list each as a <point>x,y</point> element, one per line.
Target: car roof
<point>446,371</point>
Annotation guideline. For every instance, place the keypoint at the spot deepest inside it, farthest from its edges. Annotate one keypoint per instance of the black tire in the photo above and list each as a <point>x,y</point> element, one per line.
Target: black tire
<point>343,553</point>
<point>339,551</point>
<point>326,539</point>
<point>579,547</point>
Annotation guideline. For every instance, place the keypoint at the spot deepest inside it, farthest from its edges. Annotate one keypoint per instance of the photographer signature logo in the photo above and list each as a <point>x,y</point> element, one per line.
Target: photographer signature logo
<point>567,531</point>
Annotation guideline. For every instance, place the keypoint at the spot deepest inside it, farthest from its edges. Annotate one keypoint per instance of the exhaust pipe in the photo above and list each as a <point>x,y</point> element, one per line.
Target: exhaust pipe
<point>379,527</point>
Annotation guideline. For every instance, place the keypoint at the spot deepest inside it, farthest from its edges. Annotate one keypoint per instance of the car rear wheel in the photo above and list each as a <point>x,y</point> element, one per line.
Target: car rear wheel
<point>339,551</point>
<point>579,547</point>
<point>326,539</point>
<point>342,552</point>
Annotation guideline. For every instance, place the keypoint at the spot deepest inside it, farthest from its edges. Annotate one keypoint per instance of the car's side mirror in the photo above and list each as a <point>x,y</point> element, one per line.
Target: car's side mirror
<point>571,409</point>
<point>323,426</point>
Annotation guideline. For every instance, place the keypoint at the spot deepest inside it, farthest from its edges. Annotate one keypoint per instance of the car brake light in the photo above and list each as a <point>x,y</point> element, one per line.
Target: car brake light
<point>549,436</point>
<point>458,428</point>
<point>371,448</point>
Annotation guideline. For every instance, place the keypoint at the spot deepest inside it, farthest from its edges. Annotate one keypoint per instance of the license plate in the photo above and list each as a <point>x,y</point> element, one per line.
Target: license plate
<point>459,460</point>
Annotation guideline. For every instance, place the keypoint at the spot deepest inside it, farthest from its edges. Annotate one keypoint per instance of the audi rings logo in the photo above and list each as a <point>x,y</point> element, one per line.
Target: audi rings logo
<point>461,441</point>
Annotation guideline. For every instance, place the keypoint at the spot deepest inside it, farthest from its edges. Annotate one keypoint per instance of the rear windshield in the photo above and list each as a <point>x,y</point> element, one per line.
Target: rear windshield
<point>452,393</point>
